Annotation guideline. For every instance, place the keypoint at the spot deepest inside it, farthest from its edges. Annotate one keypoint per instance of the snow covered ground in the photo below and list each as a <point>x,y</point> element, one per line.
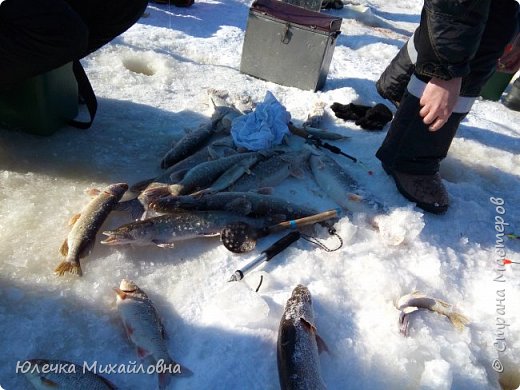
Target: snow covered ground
<point>151,83</point>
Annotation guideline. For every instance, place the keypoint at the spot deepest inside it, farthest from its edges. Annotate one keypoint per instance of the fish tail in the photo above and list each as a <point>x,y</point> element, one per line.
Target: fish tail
<point>67,266</point>
<point>458,320</point>
<point>170,369</point>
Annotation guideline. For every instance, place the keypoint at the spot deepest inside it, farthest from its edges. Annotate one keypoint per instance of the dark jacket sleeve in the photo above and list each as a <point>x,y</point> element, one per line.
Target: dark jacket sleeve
<point>449,36</point>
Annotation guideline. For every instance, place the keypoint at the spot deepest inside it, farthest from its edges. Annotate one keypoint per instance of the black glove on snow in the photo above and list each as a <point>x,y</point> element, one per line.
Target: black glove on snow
<point>351,111</point>
<point>376,118</point>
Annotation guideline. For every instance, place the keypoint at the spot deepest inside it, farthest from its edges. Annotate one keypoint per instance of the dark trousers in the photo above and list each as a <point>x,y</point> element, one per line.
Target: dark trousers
<point>409,146</point>
<point>39,35</point>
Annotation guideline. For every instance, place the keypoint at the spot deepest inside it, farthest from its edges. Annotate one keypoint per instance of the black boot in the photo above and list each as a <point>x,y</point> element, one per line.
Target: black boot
<point>512,99</point>
<point>411,154</point>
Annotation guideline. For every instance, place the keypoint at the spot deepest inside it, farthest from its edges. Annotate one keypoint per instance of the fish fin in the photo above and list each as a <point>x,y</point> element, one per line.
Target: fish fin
<point>66,266</point>
<point>297,173</point>
<point>160,244</point>
<point>322,346</point>
<point>142,353</point>
<point>154,192</point>
<point>93,192</point>
<point>458,320</point>
<point>240,205</point>
<point>48,383</point>
<point>310,327</point>
<point>166,377</point>
<point>64,249</point>
<point>74,219</point>
<point>404,322</point>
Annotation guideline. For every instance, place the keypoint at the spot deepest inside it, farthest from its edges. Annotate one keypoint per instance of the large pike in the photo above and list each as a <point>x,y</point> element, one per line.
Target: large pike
<point>417,300</point>
<point>167,229</point>
<point>340,186</point>
<point>145,329</point>
<point>245,203</point>
<point>299,344</point>
<point>272,171</point>
<point>60,374</point>
<point>81,238</point>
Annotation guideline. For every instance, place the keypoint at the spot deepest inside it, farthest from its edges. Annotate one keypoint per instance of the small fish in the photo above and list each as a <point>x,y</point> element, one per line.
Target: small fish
<point>245,203</point>
<point>325,134</point>
<point>273,171</point>
<point>299,344</point>
<point>196,178</point>
<point>145,329</point>
<point>167,229</point>
<point>416,300</point>
<point>340,186</point>
<point>45,375</point>
<point>81,238</point>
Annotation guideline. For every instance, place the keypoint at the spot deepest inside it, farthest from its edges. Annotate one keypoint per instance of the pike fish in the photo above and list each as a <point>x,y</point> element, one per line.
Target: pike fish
<point>167,229</point>
<point>272,171</point>
<point>81,238</point>
<point>44,374</point>
<point>196,178</point>
<point>299,344</point>
<point>245,203</point>
<point>145,329</point>
<point>417,300</point>
<point>340,186</point>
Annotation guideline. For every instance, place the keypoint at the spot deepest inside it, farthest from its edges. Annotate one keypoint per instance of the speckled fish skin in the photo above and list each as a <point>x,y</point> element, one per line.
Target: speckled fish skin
<point>246,203</point>
<point>417,300</point>
<point>167,229</point>
<point>297,348</point>
<point>72,376</point>
<point>272,171</point>
<point>340,186</point>
<point>81,238</point>
<point>143,326</point>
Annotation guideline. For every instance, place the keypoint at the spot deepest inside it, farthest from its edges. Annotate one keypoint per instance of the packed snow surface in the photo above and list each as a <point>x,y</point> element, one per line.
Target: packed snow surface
<point>151,83</point>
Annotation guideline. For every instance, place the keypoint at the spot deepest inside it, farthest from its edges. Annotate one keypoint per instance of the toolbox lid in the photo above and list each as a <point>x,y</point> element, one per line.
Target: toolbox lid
<point>297,15</point>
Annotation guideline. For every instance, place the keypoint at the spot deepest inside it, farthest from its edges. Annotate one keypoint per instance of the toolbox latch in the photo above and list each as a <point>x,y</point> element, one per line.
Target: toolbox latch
<point>286,35</point>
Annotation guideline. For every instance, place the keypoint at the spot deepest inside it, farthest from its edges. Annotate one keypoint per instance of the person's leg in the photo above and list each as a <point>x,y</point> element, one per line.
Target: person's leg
<point>410,151</point>
<point>106,19</point>
<point>37,36</point>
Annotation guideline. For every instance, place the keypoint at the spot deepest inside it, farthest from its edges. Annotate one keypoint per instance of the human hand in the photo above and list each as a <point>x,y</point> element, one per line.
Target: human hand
<point>438,101</point>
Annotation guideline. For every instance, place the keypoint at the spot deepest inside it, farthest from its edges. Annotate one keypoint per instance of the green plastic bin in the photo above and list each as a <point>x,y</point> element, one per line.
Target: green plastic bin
<point>42,104</point>
<point>496,85</point>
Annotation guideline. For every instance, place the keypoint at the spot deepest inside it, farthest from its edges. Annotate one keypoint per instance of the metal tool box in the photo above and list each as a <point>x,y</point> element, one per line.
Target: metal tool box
<point>289,45</point>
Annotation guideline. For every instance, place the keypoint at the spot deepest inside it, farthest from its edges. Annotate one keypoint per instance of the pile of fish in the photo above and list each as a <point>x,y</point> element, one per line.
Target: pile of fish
<point>208,186</point>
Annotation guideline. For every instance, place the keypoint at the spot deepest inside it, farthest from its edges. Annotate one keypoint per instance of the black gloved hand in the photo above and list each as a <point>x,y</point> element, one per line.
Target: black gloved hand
<point>350,111</point>
<point>376,118</point>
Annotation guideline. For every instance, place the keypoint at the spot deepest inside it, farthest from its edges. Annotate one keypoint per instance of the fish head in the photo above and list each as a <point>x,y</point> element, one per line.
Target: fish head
<point>128,288</point>
<point>117,189</point>
<point>120,236</point>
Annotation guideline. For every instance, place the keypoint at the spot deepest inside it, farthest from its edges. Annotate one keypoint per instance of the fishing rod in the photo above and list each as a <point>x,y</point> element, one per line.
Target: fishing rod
<point>316,141</point>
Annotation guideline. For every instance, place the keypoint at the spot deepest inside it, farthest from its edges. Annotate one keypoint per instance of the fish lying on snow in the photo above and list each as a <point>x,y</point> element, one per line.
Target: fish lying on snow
<point>299,345</point>
<point>272,171</point>
<point>145,330</point>
<point>196,178</point>
<point>81,238</point>
<point>340,186</point>
<point>167,229</point>
<point>45,375</point>
<point>245,203</point>
<point>416,300</point>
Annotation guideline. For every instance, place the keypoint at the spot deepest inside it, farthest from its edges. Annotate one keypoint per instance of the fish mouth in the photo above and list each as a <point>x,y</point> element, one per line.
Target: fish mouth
<point>115,238</point>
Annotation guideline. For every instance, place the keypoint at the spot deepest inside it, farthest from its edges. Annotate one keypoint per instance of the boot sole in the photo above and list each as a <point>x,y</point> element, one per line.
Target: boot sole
<point>425,206</point>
